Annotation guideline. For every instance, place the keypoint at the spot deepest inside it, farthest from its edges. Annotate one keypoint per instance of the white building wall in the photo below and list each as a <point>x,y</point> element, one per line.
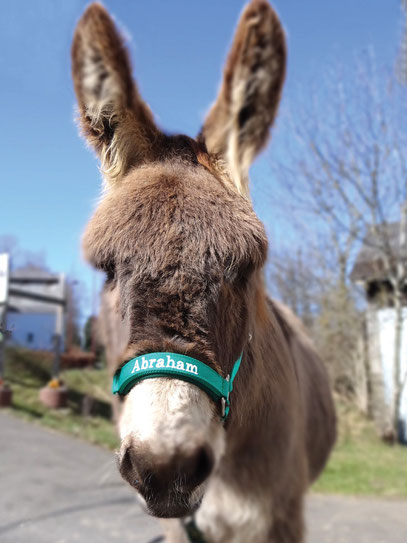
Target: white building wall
<point>386,318</point>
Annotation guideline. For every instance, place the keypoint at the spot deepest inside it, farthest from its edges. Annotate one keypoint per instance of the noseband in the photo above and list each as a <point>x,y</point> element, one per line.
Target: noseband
<point>177,366</point>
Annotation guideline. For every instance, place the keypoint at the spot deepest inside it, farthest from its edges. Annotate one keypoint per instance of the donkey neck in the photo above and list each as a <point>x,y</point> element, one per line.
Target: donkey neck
<point>266,379</point>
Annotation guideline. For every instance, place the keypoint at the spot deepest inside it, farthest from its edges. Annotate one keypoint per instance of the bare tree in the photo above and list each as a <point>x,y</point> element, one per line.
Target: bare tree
<point>327,308</point>
<point>74,288</point>
<point>345,171</point>
<point>9,245</point>
<point>294,282</point>
<point>21,258</point>
<point>402,56</point>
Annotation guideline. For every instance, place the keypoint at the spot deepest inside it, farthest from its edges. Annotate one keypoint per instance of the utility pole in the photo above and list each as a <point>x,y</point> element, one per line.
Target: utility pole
<point>5,391</point>
<point>4,280</point>
<point>93,316</point>
<point>59,330</point>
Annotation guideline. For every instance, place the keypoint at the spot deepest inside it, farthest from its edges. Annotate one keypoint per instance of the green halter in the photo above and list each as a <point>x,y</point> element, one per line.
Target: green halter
<point>177,366</point>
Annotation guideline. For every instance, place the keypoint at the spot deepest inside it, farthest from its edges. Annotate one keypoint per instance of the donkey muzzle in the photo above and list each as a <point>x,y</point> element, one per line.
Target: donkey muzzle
<point>169,486</point>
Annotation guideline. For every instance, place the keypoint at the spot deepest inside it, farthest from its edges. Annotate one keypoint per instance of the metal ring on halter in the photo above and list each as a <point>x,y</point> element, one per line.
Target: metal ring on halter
<point>223,407</point>
<point>225,401</point>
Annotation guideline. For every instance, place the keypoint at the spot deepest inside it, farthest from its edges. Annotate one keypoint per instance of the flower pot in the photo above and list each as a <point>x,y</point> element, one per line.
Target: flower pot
<point>6,395</point>
<point>54,397</point>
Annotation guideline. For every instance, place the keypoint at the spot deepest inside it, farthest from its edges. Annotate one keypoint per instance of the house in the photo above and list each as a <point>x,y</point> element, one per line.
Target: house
<point>370,270</point>
<point>35,308</point>
<point>384,248</point>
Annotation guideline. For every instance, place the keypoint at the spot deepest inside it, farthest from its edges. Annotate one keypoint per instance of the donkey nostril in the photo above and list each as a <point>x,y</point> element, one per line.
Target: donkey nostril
<point>125,461</point>
<point>147,474</point>
<point>128,469</point>
<point>205,463</point>
<point>197,467</point>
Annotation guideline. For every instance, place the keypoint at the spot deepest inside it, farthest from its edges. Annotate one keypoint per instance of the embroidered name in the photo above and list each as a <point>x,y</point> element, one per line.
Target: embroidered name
<point>157,363</point>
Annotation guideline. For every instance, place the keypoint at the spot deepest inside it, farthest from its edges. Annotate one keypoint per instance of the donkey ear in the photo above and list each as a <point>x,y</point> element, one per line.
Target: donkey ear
<point>114,118</point>
<point>238,123</point>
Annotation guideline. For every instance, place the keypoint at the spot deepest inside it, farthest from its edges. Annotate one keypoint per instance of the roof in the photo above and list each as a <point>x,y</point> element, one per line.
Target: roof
<point>34,290</point>
<point>369,264</point>
<point>32,274</point>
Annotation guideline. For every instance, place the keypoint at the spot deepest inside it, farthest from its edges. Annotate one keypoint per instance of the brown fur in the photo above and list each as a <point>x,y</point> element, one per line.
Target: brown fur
<point>250,93</point>
<point>183,251</point>
<point>114,118</point>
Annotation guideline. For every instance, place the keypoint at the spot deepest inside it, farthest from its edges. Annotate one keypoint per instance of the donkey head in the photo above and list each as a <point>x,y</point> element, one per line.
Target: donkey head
<point>178,239</point>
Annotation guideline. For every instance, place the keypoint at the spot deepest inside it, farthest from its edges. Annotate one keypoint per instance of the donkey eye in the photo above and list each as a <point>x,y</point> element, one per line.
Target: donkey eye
<point>239,271</point>
<point>110,271</point>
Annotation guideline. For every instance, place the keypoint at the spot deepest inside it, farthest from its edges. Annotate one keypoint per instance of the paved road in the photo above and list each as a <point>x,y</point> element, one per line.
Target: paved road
<point>56,489</point>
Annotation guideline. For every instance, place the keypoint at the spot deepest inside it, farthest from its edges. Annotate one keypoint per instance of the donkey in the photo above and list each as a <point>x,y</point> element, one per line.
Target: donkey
<point>183,253</point>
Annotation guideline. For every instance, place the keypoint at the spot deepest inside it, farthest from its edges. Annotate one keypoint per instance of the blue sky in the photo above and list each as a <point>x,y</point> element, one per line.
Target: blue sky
<point>50,181</point>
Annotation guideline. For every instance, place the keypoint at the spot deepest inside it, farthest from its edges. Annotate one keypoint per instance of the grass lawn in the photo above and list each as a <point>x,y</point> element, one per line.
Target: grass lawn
<point>28,371</point>
<point>360,464</point>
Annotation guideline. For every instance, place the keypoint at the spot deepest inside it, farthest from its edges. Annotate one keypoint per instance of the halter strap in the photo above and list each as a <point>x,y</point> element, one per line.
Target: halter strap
<point>177,366</point>
<point>192,531</point>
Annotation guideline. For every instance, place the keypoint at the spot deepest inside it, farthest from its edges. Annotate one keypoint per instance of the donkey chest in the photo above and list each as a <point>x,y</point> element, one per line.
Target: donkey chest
<point>230,514</point>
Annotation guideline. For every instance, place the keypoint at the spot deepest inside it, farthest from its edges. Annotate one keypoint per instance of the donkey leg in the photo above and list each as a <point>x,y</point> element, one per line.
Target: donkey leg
<point>288,523</point>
